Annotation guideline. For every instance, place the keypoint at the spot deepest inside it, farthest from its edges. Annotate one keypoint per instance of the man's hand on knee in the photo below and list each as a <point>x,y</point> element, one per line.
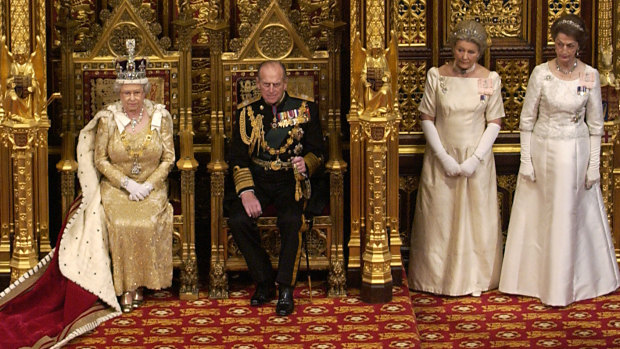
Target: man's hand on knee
<point>251,204</point>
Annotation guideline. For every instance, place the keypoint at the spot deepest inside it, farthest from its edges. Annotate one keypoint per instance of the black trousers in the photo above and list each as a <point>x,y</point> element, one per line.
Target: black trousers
<point>271,188</point>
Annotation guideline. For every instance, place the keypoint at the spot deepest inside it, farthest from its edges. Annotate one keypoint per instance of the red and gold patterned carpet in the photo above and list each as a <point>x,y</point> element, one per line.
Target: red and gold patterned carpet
<point>497,320</point>
<point>494,320</point>
<point>166,322</point>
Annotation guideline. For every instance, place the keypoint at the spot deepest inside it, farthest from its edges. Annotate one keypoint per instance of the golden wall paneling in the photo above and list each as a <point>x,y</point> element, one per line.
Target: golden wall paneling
<point>515,75</point>
<point>411,22</point>
<point>616,39</point>
<point>503,19</point>
<point>411,89</point>
<point>557,8</point>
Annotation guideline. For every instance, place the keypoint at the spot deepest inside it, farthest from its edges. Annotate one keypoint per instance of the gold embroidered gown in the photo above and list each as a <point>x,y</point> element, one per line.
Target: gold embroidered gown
<point>139,232</point>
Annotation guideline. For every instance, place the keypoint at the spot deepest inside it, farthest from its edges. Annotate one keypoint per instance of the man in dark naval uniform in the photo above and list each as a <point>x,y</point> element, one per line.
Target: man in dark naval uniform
<point>277,144</point>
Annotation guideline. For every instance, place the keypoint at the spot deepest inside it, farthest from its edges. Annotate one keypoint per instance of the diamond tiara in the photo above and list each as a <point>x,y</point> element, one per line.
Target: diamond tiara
<point>570,23</point>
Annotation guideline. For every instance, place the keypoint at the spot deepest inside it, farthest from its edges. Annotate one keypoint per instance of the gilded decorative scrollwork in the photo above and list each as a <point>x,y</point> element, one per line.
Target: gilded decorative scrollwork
<point>407,186</point>
<point>306,19</point>
<point>411,89</point>
<point>205,12</point>
<point>274,42</point>
<point>411,22</point>
<point>557,8</point>
<point>20,29</point>
<point>515,75</point>
<point>218,281</point>
<point>337,279</point>
<point>502,18</point>
<point>120,34</point>
<point>606,50</point>
<point>201,95</point>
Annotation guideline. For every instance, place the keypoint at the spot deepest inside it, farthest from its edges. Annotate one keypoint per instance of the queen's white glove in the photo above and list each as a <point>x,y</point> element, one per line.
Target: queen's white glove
<point>137,191</point>
<point>450,166</point>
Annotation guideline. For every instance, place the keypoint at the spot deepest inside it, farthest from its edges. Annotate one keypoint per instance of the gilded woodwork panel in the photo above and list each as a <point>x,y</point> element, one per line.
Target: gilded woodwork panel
<point>411,22</point>
<point>20,29</point>
<point>557,8</point>
<point>205,12</point>
<point>411,79</point>
<point>515,75</point>
<point>617,41</point>
<point>201,99</point>
<point>407,192</point>
<point>306,19</point>
<point>84,13</point>
<point>502,19</point>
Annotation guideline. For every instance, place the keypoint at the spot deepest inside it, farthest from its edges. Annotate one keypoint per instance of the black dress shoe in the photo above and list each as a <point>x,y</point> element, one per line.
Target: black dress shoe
<point>264,293</point>
<point>285,304</point>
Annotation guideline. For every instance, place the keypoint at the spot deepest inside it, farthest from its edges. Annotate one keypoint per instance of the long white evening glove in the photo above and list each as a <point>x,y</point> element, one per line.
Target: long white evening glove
<point>593,173</point>
<point>469,166</point>
<point>450,166</point>
<point>526,169</point>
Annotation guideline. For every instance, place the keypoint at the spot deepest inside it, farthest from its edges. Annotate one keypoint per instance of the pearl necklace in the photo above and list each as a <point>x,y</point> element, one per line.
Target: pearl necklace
<point>566,72</point>
<point>135,121</point>
<point>463,71</point>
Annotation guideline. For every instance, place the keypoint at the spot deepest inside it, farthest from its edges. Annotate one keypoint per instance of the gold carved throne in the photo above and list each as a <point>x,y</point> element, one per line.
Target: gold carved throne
<point>94,73</point>
<point>311,77</point>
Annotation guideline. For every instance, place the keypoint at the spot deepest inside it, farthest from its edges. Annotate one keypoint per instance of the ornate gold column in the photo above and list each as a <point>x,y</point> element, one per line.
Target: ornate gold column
<point>67,166</point>
<point>374,89</point>
<point>336,166</point>
<point>187,164</point>
<point>356,145</point>
<point>23,136</point>
<point>218,279</point>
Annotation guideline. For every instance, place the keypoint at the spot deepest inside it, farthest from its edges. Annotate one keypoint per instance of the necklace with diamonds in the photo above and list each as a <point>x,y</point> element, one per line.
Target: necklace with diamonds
<point>463,71</point>
<point>135,121</point>
<point>566,72</point>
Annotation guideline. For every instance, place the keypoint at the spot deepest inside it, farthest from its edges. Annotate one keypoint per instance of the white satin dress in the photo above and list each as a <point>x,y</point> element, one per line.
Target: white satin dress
<point>456,243</point>
<point>559,247</point>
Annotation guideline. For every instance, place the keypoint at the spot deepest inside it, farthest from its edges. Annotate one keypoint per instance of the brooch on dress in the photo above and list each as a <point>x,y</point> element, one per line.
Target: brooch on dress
<point>442,84</point>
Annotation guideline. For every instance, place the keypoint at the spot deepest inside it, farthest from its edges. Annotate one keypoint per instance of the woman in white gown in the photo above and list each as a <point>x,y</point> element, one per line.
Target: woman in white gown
<point>559,245</point>
<point>456,241</point>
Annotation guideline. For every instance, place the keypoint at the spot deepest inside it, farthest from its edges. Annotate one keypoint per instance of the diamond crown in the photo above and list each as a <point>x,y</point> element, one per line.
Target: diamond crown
<point>131,69</point>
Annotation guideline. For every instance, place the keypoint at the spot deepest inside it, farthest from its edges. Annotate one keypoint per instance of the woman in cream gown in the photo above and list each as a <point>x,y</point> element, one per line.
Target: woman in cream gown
<point>559,245</point>
<point>456,241</point>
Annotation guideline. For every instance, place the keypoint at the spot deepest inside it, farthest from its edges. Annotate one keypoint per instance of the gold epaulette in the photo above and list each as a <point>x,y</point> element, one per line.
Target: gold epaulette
<point>301,96</point>
<point>247,102</point>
